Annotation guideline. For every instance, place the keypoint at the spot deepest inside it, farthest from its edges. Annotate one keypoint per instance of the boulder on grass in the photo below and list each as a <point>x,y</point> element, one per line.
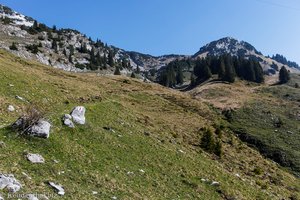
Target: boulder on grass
<point>40,129</point>
<point>67,119</point>
<point>10,183</point>
<point>78,115</point>
<point>35,158</point>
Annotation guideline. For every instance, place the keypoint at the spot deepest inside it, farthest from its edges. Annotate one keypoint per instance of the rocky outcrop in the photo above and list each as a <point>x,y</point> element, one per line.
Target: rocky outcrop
<point>8,181</point>
<point>78,115</point>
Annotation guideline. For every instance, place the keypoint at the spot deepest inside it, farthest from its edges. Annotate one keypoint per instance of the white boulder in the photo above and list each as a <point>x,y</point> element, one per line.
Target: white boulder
<point>68,121</point>
<point>10,183</point>
<point>78,115</point>
<point>35,158</point>
<point>40,129</point>
<point>11,108</point>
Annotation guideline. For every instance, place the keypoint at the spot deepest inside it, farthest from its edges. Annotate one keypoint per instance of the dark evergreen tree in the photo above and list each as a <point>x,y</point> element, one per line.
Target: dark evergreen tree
<point>132,75</point>
<point>65,52</point>
<point>207,141</point>
<point>70,58</point>
<point>284,75</point>
<point>54,45</point>
<point>117,71</point>
<point>13,47</point>
<point>202,70</point>
<point>138,70</point>
<point>221,73</point>
<point>218,149</point>
<point>111,59</point>
<point>179,76</point>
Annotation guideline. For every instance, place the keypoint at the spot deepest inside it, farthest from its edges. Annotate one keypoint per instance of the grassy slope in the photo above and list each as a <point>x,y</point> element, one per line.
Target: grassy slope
<point>94,159</point>
<point>258,117</point>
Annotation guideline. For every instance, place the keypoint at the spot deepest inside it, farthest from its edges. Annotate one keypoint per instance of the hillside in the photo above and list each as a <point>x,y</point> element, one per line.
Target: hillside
<point>141,141</point>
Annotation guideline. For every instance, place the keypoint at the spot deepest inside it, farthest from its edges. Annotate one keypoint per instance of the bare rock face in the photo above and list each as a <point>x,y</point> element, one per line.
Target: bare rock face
<point>78,115</point>
<point>8,181</point>
<point>35,158</point>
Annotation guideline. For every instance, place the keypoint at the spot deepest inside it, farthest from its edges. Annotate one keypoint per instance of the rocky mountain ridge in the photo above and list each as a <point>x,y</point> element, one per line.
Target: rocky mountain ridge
<point>71,50</point>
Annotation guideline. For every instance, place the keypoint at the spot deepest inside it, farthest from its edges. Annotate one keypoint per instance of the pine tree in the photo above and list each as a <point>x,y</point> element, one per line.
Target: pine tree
<point>221,73</point>
<point>179,76</point>
<point>111,59</point>
<point>132,75</point>
<point>218,149</point>
<point>284,75</point>
<point>54,45</point>
<point>65,52</point>
<point>207,141</point>
<point>70,58</point>
<point>13,47</point>
<point>138,70</point>
<point>117,71</point>
<point>193,80</point>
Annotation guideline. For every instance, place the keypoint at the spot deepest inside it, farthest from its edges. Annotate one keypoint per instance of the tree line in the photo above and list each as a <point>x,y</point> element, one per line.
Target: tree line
<point>227,68</point>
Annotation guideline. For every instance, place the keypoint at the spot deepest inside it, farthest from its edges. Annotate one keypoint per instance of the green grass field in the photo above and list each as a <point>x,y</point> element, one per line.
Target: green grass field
<point>164,163</point>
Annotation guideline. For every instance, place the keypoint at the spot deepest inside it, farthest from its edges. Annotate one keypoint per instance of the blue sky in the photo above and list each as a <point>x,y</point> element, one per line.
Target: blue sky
<point>175,26</point>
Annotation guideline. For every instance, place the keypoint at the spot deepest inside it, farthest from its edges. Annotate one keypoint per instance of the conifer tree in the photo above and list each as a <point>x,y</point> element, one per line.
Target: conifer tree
<point>117,71</point>
<point>110,59</point>
<point>179,75</point>
<point>132,75</point>
<point>284,75</point>
<point>221,73</point>
<point>207,141</point>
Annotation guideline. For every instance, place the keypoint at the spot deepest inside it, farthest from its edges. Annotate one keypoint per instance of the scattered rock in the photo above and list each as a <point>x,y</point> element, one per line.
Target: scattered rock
<point>215,183</point>
<point>114,198</point>
<point>67,119</point>
<point>109,129</point>
<point>142,171</point>
<point>1,198</point>
<point>11,108</point>
<point>130,173</point>
<point>180,151</point>
<point>237,175</point>
<point>94,192</point>
<point>147,133</point>
<point>78,115</point>
<point>203,180</point>
<point>56,161</point>
<point>26,175</point>
<point>59,188</point>
<point>10,85</point>
<point>10,183</point>
<point>2,144</point>
<point>35,158</point>
<point>32,197</point>
<point>40,129</point>
<point>20,98</point>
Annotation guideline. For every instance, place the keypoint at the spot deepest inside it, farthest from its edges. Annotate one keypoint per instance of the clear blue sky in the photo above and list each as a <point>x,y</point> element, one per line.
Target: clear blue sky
<point>175,26</point>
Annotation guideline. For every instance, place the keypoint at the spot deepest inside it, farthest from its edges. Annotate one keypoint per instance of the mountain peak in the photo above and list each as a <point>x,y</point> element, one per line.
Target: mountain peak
<point>227,45</point>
